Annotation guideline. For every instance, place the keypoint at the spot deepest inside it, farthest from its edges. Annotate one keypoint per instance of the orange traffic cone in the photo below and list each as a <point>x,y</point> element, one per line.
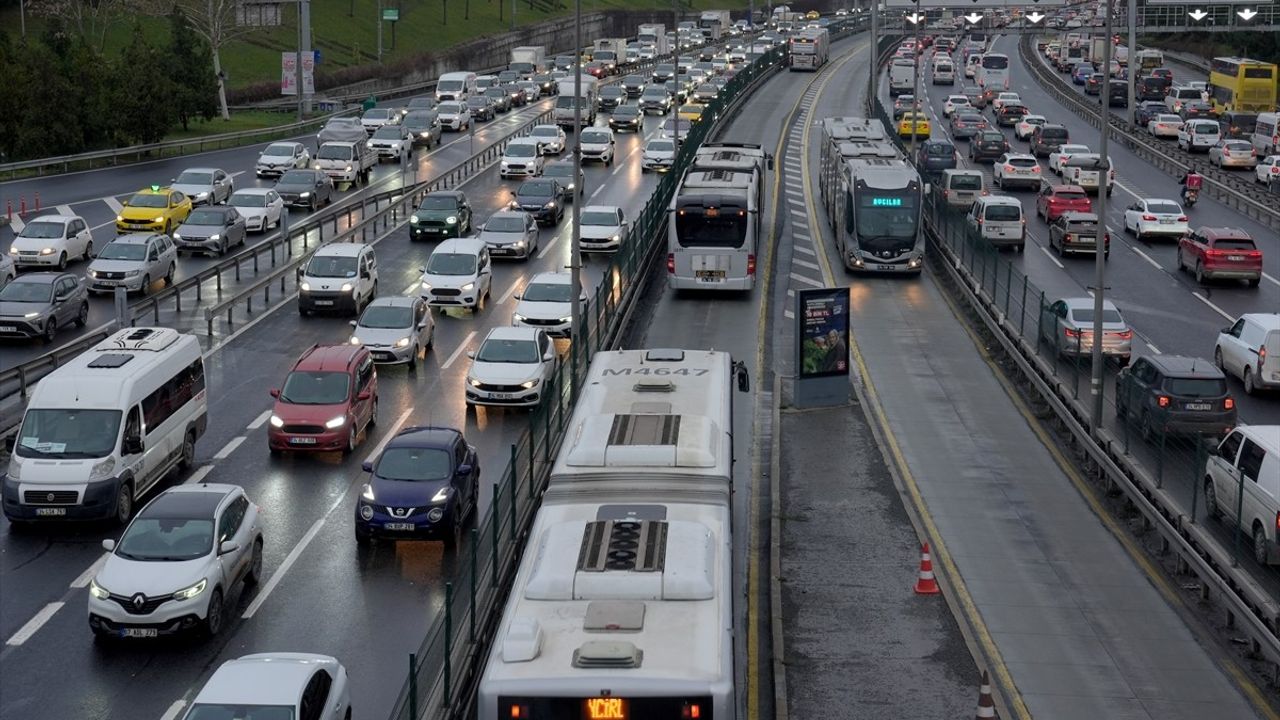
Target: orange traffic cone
<point>926,584</point>
<point>986,706</point>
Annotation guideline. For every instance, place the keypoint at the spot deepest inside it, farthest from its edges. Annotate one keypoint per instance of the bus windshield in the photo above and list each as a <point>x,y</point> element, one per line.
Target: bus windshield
<point>721,227</point>
<point>886,216</point>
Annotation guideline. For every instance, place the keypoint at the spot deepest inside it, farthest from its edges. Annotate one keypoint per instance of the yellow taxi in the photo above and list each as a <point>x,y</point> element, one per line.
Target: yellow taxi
<point>691,112</point>
<point>155,209</point>
<point>812,15</point>
<point>918,119</point>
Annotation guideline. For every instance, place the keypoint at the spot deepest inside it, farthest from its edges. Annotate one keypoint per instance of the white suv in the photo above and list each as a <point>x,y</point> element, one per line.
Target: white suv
<point>511,368</point>
<point>1199,135</point>
<point>176,563</point>
<point>459,273</point>
<point>522,158</point>
<point>1017,169</point>
<point>134,262</point>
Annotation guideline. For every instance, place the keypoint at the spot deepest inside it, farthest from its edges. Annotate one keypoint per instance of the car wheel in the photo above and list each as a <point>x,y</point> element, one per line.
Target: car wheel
<point>1199,272</point>
<point>373,414</point>
<point>1144,426</point>
<point>213,615</point>
<point>62,261</point>
<point>1217,359</point>
<point>188,452</point>
<point>363,537</point>
<point>414,358</point>
<point>168,276</point>
<point>50,330</point>
<point>146,284</point>
<point>1259,545</point>
<point>313,204</point>
<point>351,441</point>
<point>1250,385</point>
<point>124,503</point>
<point>88,251</point>
<point>83,315</point>
<point>254,576</point>
<point>456,530</point>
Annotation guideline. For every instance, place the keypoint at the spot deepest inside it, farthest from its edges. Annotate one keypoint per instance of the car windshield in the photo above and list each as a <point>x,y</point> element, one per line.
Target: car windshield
<point>18,291</point>
<point>942,150</point>
<point>548,292</point>
<point>166,539</point>
<point>67,434</point>
<point>612,91</point>
<point>992,137</point>
<point>546,132</point>
<point>505,223</point>
<point>521,150</point>
<point>414,464</point>
<point>243,199</point>
<point>477,102</point>
<point>297,177</point>
<point>1196,387</point>
<point>508,351</point>
<point>205,217</point>
<point>599,218</point>
<point>195,177</point>
<point>334,151</point>
<point>495,92</point>
<point>239,711</point>
<point>315,388</point>
<point>446,263</point>
<point>1238,146</point>
<point>976,119</point>
<point>595,137</point>
<point>387,132</point>
<point>1085,315</point>
<point>43,230</point>
<point>123,251</point>
<point>1203,129</point>
<point>661,146</point>
<point>386,317</point>
<point>633,80</point>
<point>626,110</point>
<point>884,215</point>
<point>558,171</point>
<point>1022,162</point>
<point>958,100</point>
<point>1168,118</point>
<point>377,114</point>
<point>438,202</point>
<point>450,108</point>
<point>1164,208</point>
<point>449,85</point>
<point>278,150</point>
<point>536,189</point>
<point>417,118</point>
<point>149,200</point>
<point>331,266</point>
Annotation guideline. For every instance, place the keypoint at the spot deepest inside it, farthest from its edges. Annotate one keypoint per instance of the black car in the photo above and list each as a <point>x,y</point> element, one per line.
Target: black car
<point>562,171</point>
<point>441,214</point>
<point>564,62</point>
<point>627,117</point>
<point>423,126</point>
<point>610,97</point>
<point>424,484</point>
<point>1009,114</point>
<point>544,198</point>
<point>546,83</point>
<point>633,85</point>
<point>499,97</point>
<point>1146,112</point>
<point>1175,394</point>
<point>934,156</point>
<point>1117,93</point>
<point>1093,84</point>
<point>655,99</point>
<point>676,90</point>
<point>988,146</point>
<point>37,304</point>
<point>519,98</point>
<point>305,188</point>
<point>663,73</point>
<point>481,107</point>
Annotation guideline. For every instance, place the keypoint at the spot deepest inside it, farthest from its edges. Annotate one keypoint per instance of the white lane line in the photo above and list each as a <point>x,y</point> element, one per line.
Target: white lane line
<point>99,226</point>
<point>1150,345</point>
<point>795,261</point>
<point>16,223</point>
<point>115,205</point>
<point>510,291</point>
<point>808,281</point>
<point>297,550</point>
<point>805,249</point>
<point>787,313</point>
<point>34,624</point>
<point>1270,278</point>
<point>198,475</point>
<point>1047,254</point>
<point>1146,257</point>
<point>1215,308</point>
<point>258,421</point>
<point>87,575</point>
<point>229,448</point>
<point>461,346</point>
<point>64,210</point>
<point>555,237</point>
<point>175,708</point>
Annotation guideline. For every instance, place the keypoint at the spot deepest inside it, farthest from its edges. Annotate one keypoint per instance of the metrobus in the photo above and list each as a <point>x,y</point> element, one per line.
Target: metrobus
<point>1242,84</point>
<point>993,73</point>
<point>715,220</point>
<point>623,602</point>
<point>810,49</point>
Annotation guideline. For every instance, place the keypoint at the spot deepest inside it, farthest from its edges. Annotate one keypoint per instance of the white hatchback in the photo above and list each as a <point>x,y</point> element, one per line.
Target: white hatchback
<point>603,228</point>
<point>512,368</point>
<point>275,685</point>
<point>1028,125</point>
<point>1165,125</point>
<point>1268,170</point>
<point>658,155</point>
<point>953,103</point>
<point>51,240</point>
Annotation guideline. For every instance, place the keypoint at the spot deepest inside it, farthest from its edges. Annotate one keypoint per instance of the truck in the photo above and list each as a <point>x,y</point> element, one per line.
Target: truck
<point>345,161</point>
<point>528,60</point>
<point>565,100</point>
<point>610,51</point>
<point>710,18</point>
<point>654,34</point>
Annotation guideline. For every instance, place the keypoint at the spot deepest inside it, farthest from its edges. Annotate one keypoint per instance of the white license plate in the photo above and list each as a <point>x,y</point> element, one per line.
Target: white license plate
<point>1198,406</point>
<point>1166,221</point>
<point>8,328</point>
<point>1235,258</point>
<point>886,267</point>
<point>500,396</point>
<point>324,302</point>
<point>140,632</point>
<point>50,512</point>
<point>302,440</point>
<point>108,283</point>
<point>398,526</point>
<point>710,274</point>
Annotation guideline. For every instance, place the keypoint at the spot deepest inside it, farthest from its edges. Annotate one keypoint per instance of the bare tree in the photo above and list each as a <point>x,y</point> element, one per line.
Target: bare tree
<point>90,18</point>
<point>217,22</point>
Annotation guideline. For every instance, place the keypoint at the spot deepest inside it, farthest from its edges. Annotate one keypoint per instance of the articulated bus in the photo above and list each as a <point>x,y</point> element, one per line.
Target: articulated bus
<point>1242,84</point>
<point>872,196</point>
<point>993,74</point>
<point>810,49</point>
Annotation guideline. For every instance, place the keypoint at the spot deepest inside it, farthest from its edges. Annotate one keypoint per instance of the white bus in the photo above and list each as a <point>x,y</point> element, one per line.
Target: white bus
<point>716,221</point>
<point>810,49</point>
<point>622,606</point>
<point>993,73</point>
<point>102,430</point>
<point>872,196</point>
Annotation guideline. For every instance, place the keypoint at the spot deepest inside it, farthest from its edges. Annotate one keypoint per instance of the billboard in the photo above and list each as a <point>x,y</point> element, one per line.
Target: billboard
<point>822,320</point>
<point>289,74</point>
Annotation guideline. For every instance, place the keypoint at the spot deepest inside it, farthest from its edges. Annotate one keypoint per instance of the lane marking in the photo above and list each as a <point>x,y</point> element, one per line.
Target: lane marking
<point>258,421</point>
<point>34,624</point>
<point>16,223</point>
<point>177,705</point>
<point>806,280</point>
<point>461,346</point>
<point>555,237</point>
<point>229,448</point>
<point>510,291</point>
<point>1146,257</point>
<point>804,249</point>
<point>64,210</point>
<point>1201,297</point>
<point>805,263</point>
<point>87,575</point>
<point>1270,278</point>
<point>115,205</point>
<point>310,535</point>
<point>198,475</point>
<point>1049,255</point>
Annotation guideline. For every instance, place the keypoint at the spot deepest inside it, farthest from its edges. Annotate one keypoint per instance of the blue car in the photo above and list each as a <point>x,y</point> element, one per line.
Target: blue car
<point>424,486</point>
<point>1080,73</point>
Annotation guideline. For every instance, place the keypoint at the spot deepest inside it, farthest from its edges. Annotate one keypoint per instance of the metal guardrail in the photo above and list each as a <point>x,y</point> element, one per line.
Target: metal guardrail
<point>1233,190</point>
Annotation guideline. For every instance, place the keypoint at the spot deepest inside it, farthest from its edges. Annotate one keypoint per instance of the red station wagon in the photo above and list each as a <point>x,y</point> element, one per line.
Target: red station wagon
<point>328,400</point>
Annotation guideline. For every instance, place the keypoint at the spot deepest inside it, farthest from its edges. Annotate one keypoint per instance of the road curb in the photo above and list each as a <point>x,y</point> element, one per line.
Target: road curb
<point>779,660</point>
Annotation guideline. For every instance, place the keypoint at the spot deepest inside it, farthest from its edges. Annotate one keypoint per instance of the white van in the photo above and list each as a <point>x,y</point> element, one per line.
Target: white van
<point>902,76</point>
<point>459,273</point>
<point>456,86</point>
<point>944,72</point>
<point>1247,459</point>
<point>1266,134</point>
<point>960,189</point>
<point>1199,135</point>
<point>1250,350</point>
<point>339,277</point>
<point>104,428</point>
<point>998,219</point>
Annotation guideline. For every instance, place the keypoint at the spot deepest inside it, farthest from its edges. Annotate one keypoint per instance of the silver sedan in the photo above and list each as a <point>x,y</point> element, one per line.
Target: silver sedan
<point>510,233</point>
<point>395,330</point>
<point>1234,153</point>
<point>1067,326</point>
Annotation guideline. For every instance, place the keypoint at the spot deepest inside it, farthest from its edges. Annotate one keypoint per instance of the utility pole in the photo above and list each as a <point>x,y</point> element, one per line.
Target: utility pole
<point>675,116</point>
<point>22,14</point>
<point>297,64</point>
<point>1100,254</point>
<point>915,88</point>
<point>1133,56</point>
<point>875,48</point>
<point>305,44</point>
<point>513,13</point>
<point>379,21</point>
<point>577,330</point>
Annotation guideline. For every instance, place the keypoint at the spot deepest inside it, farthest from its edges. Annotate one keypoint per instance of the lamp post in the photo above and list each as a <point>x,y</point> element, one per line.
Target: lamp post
<point>915,89</point>
<point>1133,56</point>
<point>577,332</point>
<point>1100,246</point>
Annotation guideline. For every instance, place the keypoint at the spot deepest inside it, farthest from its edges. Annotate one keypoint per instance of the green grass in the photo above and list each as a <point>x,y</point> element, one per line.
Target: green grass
<point>240,120</point>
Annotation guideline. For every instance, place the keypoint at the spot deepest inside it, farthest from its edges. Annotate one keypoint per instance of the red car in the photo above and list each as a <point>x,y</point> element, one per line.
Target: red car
<point>1054,200</point>
<point>596,69</point>
<point>1165,73</point>
<point>328,400</point>
<point>1220,253</point>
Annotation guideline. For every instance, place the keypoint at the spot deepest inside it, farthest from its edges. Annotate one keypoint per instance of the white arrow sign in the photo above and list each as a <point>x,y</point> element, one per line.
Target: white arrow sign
<point>1247,13</point>
<point>915,18</point>
<point>1035,17</point>
<point>973,18</point>
<point>1198,14</point>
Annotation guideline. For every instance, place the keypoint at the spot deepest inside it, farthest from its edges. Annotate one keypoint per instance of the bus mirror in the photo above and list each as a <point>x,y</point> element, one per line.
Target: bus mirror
<point>744,380</point>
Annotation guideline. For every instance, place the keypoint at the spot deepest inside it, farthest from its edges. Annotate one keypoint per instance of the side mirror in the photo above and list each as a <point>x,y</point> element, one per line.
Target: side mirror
<point>471,354</point>
<point>10,442</point>
<point>364,395</point>
<point>463,469</point>
<point>275,392</point>
<point>354,323</point>
<point>131,445</point>
<point>229,546</point>
<point>549,355</point>
<point>516,296</point>
<point>1226,330</point>
<point>108,544</point>
<point>1212,449</point>
<point>367,466</point>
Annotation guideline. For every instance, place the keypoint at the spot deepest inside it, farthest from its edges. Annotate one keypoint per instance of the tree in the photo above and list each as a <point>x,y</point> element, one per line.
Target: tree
<point>215,21</point>
<point>90,18</point>
<point>144,91</point>
<point>194,84</point>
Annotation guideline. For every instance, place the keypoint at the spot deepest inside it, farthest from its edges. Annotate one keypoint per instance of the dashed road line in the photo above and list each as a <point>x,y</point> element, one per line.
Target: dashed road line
<point>198,475</point>
<point>1201,297</point>
<point>229,448</point>
<point>1146,257</point>
<point>519,283</point>
<point>261,419</point>
<point>1049,255</point>
<point>33,625</point>
<point>87,575</point>
<point>461,346</point>
<point>115,205</point>
<point>806,280</point>
<point>175,708</point>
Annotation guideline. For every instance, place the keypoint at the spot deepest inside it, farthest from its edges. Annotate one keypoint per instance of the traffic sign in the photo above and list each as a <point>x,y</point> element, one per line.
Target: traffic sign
<point>391,14</point>
<point>970,4</point>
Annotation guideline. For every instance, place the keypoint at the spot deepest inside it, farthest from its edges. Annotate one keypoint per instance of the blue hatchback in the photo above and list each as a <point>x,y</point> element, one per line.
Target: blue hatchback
<point>424,485</point>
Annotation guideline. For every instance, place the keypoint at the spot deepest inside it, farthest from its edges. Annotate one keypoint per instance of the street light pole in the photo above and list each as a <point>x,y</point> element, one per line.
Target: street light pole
<point>378,19</point>
<point>675,116</point>
<point>577,332</point>
<point>915,89</point>
<point>875,48</point>
<point>1133,56</point>
<point>1100,246</point>
<point>304,45</point>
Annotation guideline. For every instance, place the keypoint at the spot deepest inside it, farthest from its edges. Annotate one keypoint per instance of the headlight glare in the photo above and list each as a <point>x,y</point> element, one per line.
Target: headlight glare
<point>189,592</point>
<point>367,492</point>
<point>336,422</point>
<point>346,287</point>
<point>277,421</point>
<point>441,495</point>
<point>97,590</point>
<point>402,342</point>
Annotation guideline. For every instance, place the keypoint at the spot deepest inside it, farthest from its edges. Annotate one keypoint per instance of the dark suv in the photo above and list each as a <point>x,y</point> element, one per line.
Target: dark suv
<point>442,214</point>
<point>934,156</point>
<point>1175,394</point>
<point>988,146</point>
<point>1048,139</point>
<point>424,484</point>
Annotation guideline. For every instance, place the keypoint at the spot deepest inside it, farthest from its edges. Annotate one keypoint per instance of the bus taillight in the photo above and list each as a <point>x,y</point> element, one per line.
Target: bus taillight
<point>751,265</point>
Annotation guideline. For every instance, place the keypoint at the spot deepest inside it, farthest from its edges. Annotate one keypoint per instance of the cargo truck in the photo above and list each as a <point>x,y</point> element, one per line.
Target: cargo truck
<point>654,34</point>
<point>528,60</point>
<point>346,161</point>
<point>565,101</point>
<point>610,51</point>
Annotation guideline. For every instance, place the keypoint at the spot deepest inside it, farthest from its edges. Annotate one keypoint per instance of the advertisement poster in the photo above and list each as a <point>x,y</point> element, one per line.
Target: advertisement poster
<point>289,74</point>
<point>823,329</point>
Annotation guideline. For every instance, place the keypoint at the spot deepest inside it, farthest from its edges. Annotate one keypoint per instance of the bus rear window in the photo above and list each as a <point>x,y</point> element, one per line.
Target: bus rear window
<point>722,227</point>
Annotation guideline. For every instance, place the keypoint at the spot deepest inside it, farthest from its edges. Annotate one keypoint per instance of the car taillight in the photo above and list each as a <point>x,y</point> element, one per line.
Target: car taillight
<point>671,263</point>
<point>1008,168</point>
<point>1163,401</point>
<point>1182,218</point>
<point>751,265</point>
<point>1229,403</point>
<point>1262,358</point>
<point>1071,333</point>
<point>1149,218</point>
<point>946,193</point>
<point>1125,334</point>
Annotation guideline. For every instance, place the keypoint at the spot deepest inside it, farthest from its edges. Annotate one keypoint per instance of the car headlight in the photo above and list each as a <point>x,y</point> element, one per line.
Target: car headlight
<point>402,342</point>
<point>159,219</point>
<point>346,287</point>
<point>504,165</point>
<point>97,590</point>
<point>441,495</point>
<point>570,186</point>
<point>426,285</point>
<point>305,287</point>
<point>102,469</point>
<point>369,143</point>
<point>119,218</point>
<point>517,318</point>
<point>304,195</point>
<point>567,318</point>
<point>201,196</point>
<point>518,243</point>
<point>415,219</point>
<point>530,384</point>
<point>46,251</point>
<point>189,592</point>
<point>434,514</point>
<point>30,315</point>
<point>616,238</point>
<point>214,236</point>
<point>367,492</point>
<point>132,273</point>
<point>452,219</point>
<point>474,382</point>
<point>178,236</point>
<point>276,421</point>
<point>468,286</point>
<point>551,205</point>
<point>424,133</point>
<point>336,422</point>
<point>355,340</point>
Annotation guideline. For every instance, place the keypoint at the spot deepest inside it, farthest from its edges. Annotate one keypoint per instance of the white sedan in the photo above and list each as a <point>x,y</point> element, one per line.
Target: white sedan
<point>1059,158</point>
<point>1165,125</point>
<point>1028,125</point>
<point>1154,216</point>
<point>546,303</point>
<point>262,208</point>
<point>1268,170</point>
<point>275,685</point>
<point>603,228</point>
<point>953,103</point>
<point>511,368</point>
<point>1005,98</point>
<point>51,240</point>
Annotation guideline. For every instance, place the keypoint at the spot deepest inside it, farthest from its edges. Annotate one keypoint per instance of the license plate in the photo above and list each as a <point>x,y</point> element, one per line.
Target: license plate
<point>324,302</point>
<point>50,512</point>
<point>398,526</point>
<point>107,283</point>
<point>302,440</point>
<point>1166,221</point>
<point>886,267</point>
<point>8,328</point>
<point>1198,406</point>
<point>140,633</point>
<point>1235,258</point>
<point>500,396</point>
<point>710,274</point>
